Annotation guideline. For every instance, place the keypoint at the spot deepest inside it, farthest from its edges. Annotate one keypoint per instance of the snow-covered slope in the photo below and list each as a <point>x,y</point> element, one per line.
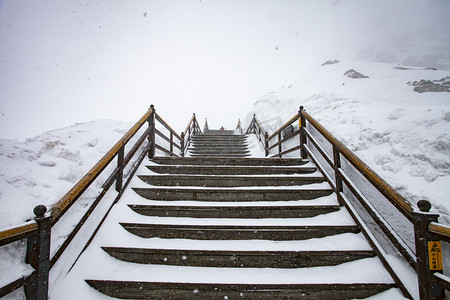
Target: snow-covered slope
<point>42,169</point>
<point>402,134</point>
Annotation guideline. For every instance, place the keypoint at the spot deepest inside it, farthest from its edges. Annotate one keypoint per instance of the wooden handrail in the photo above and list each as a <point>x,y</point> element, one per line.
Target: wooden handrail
<point>189,125</point>
<point>17,232</point>
<point>60,207</point>
<point>443,231</point>
<point>395,198</point>
<point>38,230</point>
<point>292,120</point>
<point>261,129</point>
<point>425,224</point>
<point>164,123</point>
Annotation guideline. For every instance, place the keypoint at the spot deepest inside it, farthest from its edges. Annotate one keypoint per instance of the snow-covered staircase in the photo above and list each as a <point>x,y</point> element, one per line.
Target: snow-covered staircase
<point>219,227</point>
<point>219,143</point>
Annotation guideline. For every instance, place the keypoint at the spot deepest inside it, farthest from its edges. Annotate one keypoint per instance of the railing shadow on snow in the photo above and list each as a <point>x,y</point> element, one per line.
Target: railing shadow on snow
<point>369,198</point>
<point>37,232</point>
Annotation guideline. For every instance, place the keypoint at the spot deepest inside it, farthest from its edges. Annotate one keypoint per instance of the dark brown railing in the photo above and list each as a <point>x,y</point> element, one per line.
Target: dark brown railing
<point>239,127</point>
<point>427,231</point>
<point>191,129</point>
<point>37,232</point>
<point>256,128</point>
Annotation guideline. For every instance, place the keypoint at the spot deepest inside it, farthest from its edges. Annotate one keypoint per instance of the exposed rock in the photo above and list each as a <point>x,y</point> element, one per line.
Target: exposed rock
<point>402,68</point>
<point>405,68</point>
<point>354,74</point>
<point>330,62</point>
<point>425,86</point>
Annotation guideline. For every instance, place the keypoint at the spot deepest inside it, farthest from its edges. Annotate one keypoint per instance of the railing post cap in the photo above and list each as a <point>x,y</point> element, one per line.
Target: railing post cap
<point>424,205</point>
<point>40,210</point>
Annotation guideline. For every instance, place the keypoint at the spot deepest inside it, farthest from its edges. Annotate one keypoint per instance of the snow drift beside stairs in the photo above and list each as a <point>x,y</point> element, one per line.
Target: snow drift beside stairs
<point>42,169</point>
<point>403,135</point>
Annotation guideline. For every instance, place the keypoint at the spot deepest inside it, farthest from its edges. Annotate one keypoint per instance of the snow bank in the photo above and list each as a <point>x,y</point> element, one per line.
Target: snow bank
<point>42,169</point>
<point>401,134</point>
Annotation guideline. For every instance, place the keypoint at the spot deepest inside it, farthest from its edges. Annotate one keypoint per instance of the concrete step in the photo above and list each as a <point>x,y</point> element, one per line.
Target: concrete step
<point>228,181</point>
<point>241,212</point>
<point>236,259</point>
<point>225,140</point>
<point>225,143</point>
<point>175,290</point>
<point>217,135</point>
<point>218,155</point>
<point>230,170</point>
<point>225,151</point>
<point>231,195</point>
<point>167,160</point>
<point>232,232</point>
<point>219,146</point>
<point>218,132</point>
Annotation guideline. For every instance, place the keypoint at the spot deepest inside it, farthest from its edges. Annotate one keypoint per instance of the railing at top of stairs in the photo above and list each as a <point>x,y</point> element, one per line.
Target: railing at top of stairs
<point>37,231</point>
<point>335,160</point>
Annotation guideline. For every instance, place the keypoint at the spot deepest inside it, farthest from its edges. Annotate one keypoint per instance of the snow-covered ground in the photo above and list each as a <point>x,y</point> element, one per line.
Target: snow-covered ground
<point>401,134</point>
<point>234,54</point>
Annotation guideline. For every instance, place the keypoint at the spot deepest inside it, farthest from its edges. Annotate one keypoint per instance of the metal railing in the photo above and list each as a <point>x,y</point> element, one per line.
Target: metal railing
<point>427,231</point>
<point>37,232</point>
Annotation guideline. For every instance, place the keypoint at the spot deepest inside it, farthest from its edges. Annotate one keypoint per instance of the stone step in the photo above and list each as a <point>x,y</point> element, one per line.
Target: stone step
<point>198,143</point>
<point>175,290</point>
<point>236,259</point>
<point>233,232</point>
<point>168,160</point>
<point>228,138</point>
<point>218,132</point>
<point>212,151</point>
<point>231,195</point>
<point>221,146</point>
<point>208,141</point>
<point>228,181</point>
<point>230,170</point>
<point>220,155</point>
<point>217,139</point>
<point>241,212</point>
<point>218,136</point>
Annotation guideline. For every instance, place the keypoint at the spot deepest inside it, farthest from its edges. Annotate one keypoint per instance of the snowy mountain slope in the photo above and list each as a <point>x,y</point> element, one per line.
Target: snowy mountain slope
<point>402,134</point>
<point>42,169</point>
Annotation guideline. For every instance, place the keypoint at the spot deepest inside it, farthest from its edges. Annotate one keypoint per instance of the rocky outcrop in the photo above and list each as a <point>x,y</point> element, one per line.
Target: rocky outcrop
<point>426,86</point>
<point>354,74</point>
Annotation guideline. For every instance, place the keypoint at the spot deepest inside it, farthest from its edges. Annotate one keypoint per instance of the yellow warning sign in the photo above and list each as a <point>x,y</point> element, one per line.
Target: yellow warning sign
<point>435,255</point>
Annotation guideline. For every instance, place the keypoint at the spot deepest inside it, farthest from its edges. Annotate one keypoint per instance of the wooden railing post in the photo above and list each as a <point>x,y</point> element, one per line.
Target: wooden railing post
<point>194,124</point>
<point>266,143</point>
<point>151,134</point>
<point>280,149</point>
<point>120,165</point>
<point>171,142</point>
<point>38,256</point>
<point>303,153</point>
<point>182,144</point>
<point>424,244</point>
<point>337,176</point>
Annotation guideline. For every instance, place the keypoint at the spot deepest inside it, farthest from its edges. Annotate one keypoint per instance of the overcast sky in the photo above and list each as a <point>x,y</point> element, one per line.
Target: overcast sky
<point>63,62</point>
